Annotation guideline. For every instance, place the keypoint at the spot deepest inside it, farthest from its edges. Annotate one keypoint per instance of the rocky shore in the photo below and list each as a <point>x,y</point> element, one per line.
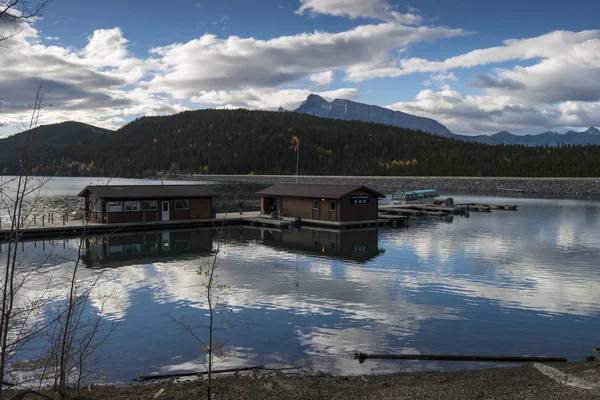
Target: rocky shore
<point>576,380</point>
<point>531,186</point>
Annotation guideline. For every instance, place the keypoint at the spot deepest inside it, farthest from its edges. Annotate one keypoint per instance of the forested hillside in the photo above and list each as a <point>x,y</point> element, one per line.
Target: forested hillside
<point>261,142</point>
<point>48,142</point>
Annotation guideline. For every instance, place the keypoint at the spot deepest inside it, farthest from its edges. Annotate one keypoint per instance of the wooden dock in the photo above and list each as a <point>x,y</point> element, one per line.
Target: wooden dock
<point>417,211</point>
<point>506,207</point>
<point>75,228</point>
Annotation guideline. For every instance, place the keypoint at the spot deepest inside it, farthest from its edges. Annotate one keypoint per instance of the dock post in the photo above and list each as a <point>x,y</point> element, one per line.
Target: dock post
<point>43,220</point>
<point>34,220</point>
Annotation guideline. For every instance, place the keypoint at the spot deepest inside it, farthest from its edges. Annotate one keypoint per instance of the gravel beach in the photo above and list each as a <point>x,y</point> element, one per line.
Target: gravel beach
<point>530,186</point>
<point>522,382</point>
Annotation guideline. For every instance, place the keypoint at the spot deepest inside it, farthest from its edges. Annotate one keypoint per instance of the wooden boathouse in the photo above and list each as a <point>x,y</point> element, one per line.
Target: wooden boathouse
<point>335,205</point>
<point>147,203</point>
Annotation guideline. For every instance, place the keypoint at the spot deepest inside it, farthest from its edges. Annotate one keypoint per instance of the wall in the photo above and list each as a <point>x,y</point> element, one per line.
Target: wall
<point>359,212</point>
<point>200,208</point>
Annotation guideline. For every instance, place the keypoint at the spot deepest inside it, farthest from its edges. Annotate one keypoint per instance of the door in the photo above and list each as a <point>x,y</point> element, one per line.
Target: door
<point>165,210</point>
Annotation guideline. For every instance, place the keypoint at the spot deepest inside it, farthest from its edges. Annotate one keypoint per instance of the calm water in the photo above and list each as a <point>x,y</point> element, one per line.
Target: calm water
<point>505,283</point>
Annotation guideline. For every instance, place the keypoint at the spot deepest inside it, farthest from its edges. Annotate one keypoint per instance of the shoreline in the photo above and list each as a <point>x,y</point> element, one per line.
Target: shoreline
<point>510,185</point>
<point>570,380</point>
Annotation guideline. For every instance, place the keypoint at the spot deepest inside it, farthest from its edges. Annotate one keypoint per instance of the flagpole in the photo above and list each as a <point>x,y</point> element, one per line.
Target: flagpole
<point>297,156</point>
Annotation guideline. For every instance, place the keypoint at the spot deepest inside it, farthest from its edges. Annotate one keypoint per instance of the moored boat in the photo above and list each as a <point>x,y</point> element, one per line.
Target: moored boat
<point>415,196</point>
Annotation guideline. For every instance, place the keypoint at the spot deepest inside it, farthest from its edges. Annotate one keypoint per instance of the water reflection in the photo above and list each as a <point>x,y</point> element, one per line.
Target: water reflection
<point>158,246</point>
<point>511,283</point>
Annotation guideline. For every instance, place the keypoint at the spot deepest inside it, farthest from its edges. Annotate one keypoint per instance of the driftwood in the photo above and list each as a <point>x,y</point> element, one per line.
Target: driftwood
<point>361,357</point>
<point>216,371</point>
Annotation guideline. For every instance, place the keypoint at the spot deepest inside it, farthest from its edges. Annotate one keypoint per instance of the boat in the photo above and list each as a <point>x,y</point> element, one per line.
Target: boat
<point>426,196</point>
<point>429,197</point>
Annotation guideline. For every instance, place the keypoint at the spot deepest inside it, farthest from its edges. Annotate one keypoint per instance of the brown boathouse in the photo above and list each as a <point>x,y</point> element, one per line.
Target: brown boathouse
<point>338,204</point>
<point>147,203</point>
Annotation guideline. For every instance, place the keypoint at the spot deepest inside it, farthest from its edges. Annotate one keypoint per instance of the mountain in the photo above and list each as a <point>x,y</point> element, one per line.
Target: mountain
<point>353,111</point>
<point>553,139</point>
<point>46,141</point>
<point>262,142</point>
<point>350,110</point>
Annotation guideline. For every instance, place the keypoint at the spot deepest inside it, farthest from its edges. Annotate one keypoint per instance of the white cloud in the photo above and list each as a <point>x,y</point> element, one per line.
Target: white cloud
<point>268,99</point>
<point>376,9</point>
<point>471,114</point>
<point>440,80</point>
<point>322,78</point>
<point>561,88</point>
<point>54,38</point>
<point>84,85</point>
<point>212,63</point>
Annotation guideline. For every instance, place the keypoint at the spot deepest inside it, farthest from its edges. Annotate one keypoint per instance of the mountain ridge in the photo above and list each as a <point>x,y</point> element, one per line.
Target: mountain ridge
<point>349,110</point>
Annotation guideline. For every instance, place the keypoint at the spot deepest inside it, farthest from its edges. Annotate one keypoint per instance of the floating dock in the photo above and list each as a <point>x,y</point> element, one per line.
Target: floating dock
<point>75,228</point>
<point>506,207</point>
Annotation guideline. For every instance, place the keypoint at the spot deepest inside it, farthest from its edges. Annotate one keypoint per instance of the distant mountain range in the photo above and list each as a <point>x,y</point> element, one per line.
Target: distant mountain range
<point>350,110</point>
<point>590,136</point>
<point>353,111</point>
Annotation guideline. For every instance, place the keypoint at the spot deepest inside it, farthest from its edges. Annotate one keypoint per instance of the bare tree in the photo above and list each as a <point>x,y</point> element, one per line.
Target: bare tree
<point>74,339</point>
<point>15,316</point>
<point>14,14</point>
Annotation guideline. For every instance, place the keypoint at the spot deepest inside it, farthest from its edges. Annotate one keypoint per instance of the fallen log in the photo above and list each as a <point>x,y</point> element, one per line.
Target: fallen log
<point>361,357</point>
<point>216,371</point>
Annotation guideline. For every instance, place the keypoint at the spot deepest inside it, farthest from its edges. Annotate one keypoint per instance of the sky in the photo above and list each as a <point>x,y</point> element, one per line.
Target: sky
<point>478,67</point>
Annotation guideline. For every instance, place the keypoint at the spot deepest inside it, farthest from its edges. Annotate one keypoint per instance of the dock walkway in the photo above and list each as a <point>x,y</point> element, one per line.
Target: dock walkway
<point>75,228</point>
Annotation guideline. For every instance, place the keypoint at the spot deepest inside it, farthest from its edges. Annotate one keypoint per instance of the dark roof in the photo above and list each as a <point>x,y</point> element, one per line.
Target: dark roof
<point>147,191</point>
<point>314,190</point>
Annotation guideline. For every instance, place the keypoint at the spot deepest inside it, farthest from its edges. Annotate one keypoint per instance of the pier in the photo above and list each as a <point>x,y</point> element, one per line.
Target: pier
<point>63,228</point>
<point>430,210</point>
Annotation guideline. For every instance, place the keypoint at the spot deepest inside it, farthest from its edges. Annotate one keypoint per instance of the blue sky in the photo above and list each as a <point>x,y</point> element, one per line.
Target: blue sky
<point>108,62</point>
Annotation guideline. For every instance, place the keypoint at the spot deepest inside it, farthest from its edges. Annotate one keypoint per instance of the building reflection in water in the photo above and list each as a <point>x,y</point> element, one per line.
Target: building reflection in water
<point>360,245</point>
<point>127,249</point>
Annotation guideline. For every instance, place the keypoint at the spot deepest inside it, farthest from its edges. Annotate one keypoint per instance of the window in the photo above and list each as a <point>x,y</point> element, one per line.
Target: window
<point>332,205</point>
<point>332,245</point>
<point>133,249</point>
<point>182,204</point>
<point>132,206</point>
<point>316,244</point>
<point>149,205</point>
<point>114,206</point>
<point>316,205</point>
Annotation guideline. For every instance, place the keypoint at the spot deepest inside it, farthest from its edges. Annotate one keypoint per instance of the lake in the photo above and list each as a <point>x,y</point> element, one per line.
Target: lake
<point>500,283</point>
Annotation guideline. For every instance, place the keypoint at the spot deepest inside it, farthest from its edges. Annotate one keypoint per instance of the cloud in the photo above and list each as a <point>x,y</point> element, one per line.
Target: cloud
<point>53,38</point>
<point>322,78</point>
<point>560,88</point>
<point>440,80</point>
<point>488,81</point>
<point>471,114</point>
<point>85,85</point>
<point>376,9</point>
<point>212,63</point>
<point>267,99</point>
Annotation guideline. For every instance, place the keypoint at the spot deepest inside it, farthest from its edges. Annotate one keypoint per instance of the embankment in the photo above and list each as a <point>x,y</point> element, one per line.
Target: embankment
<point>541,186</point>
